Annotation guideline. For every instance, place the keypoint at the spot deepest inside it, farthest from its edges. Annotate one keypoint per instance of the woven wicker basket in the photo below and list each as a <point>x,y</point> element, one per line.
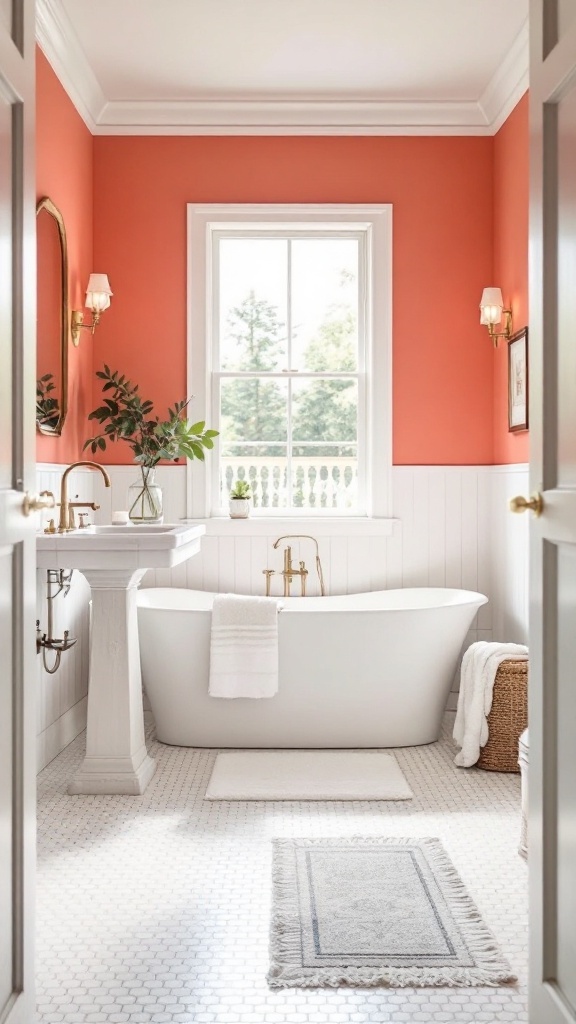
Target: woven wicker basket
<point>507,719</point>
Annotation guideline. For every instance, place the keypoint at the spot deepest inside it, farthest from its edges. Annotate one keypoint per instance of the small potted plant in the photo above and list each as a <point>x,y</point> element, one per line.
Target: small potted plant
<point>239,503</point>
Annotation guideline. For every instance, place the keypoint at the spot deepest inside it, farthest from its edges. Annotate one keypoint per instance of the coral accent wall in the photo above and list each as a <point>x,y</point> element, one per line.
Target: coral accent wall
<point>460,223</point>
<point>64,160</point>
<point>442,193</point>
<point>511,187</point>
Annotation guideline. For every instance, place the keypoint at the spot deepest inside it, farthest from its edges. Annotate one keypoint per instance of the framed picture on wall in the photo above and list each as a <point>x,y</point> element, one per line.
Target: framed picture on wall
<point>518,381</point>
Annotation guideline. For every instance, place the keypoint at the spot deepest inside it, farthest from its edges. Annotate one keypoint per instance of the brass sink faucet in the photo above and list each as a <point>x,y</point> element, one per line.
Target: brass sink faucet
<point>66,522</point>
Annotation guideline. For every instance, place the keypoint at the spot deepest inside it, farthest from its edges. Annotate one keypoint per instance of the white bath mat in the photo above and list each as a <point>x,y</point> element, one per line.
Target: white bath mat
<point>307,775</point>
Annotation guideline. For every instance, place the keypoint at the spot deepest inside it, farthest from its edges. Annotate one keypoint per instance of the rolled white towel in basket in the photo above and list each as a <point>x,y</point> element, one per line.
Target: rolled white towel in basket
<point>479,667</point>
<point>244,647</point>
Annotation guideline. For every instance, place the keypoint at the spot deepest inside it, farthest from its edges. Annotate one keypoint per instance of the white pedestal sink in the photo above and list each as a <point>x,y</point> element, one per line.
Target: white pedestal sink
<point>114,559</point>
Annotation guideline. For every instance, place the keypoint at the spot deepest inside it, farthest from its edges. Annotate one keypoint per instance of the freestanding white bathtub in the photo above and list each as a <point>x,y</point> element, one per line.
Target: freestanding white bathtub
<point>364,670</point>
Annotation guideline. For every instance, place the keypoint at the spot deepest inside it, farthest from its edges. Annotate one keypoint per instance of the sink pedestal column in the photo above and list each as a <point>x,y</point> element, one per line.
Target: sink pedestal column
<point>116,757</point>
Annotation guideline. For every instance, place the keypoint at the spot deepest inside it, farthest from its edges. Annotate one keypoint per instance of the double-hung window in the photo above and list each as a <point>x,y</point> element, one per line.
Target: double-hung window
<point>291,338</point>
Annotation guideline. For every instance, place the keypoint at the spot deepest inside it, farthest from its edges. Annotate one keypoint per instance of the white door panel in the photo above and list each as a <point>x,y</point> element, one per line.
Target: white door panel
<point>566,353</point>
<point>6,14</point>
<point>565,16</point>
<point>552,690</point>
<point>566,756</point>
<point>5,289</point>
<point>17,473</point>
<point>6,756</point>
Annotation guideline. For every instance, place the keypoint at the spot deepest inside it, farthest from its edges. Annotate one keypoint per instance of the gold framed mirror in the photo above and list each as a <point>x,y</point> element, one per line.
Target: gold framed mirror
<point>53,324</point>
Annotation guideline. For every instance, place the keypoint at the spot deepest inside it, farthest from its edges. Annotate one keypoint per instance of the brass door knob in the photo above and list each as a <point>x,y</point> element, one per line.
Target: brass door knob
<point>521,504</point>
<point>36,502</point>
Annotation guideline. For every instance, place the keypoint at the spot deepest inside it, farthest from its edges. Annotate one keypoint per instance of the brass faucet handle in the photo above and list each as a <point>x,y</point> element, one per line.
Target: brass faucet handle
<point>82,516</point>
<point>268,573</point>
<point>50,528</point>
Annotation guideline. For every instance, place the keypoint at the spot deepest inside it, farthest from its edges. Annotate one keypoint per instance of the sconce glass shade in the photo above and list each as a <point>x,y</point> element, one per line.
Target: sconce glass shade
<point>491,306</point>
<point>98,293</point>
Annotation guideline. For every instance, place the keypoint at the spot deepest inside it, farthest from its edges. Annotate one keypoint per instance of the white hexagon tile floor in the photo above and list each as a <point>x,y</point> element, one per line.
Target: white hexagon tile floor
<point>156,908</point>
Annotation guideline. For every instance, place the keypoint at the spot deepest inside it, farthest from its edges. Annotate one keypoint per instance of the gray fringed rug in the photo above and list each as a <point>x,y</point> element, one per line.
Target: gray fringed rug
<point>376,911</point>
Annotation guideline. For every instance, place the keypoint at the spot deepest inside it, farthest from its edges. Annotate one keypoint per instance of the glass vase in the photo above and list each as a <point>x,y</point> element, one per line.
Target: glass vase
<point>145,498</point>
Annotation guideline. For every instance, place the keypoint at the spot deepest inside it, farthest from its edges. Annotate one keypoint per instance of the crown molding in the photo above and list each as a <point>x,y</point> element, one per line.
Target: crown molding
<point>301,117</point>
<point>59,43</point>
<point>338,116</point>
<point>509,83</point>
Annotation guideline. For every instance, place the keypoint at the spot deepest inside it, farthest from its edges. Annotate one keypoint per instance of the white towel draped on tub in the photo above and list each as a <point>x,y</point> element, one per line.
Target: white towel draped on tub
<point>244,647</point>
<point>479,667</point>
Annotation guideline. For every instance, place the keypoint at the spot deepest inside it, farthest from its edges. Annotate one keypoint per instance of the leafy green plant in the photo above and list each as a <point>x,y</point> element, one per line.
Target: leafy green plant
<point>241,489</point>
<point>47,408</point>
<point>126,417</point>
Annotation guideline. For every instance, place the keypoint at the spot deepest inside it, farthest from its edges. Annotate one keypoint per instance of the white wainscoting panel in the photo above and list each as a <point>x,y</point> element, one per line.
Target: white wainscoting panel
<point>509,555</point>
<point>451,527</point>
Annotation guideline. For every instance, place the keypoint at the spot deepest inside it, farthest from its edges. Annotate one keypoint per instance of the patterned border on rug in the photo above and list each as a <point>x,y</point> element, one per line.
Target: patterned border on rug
<point>449,944</point>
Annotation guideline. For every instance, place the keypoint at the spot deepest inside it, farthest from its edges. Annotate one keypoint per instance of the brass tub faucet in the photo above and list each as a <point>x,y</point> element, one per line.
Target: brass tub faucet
<point>289,571</point>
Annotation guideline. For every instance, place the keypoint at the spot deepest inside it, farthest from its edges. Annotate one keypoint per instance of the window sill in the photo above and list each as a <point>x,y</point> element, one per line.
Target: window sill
<point>337,526</point>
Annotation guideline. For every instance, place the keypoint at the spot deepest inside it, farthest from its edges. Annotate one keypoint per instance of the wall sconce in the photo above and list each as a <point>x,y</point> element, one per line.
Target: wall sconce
<point>98,295</point>
<point>491,310</point>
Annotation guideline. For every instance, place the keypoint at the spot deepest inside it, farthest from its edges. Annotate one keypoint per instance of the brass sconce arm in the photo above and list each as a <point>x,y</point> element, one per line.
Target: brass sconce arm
<point>495,335</point>
<point>77,323</point>
<point>98,294</point>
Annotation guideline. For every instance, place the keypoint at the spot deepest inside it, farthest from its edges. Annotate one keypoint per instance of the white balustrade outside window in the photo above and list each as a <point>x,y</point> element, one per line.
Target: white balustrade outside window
<point>321,483</point>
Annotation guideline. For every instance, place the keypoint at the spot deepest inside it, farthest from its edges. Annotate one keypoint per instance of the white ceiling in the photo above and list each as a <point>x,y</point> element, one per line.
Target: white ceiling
<point>289,66</point>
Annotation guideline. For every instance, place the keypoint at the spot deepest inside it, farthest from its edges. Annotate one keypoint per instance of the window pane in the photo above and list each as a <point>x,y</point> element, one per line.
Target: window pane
<point>253,409</point>
<point>324,478</point>
<point>325,410</point>
<point>325,304</point>
<point>252,309</point>
<point>264,469</point>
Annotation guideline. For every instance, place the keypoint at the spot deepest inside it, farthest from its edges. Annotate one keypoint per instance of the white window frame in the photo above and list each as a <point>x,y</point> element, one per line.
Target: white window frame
<point>360,375</point>
<point>374,225</point>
